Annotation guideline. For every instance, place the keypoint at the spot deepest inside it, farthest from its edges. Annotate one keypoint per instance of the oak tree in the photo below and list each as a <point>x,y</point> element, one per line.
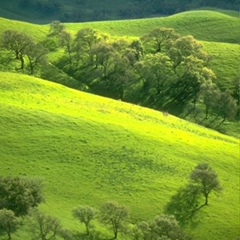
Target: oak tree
<point>115,216</point>
<point>85,214</point>
<point>20,194</point>
<point>8,222</point>
<point>205,179</point>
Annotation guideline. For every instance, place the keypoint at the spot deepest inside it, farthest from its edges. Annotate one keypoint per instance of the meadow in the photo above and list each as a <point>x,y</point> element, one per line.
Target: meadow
<point>90,149</point>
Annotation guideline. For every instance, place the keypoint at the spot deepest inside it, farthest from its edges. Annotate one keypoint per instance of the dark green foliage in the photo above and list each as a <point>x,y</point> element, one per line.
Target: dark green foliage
<point>163,227</point>
<point>45,227</point>
<point>184,205</point>
<point>36,54</point>
<point>114,216</point>
<point>17,43</point>
<point>24,48</point>
<point>92,10</point>
<point>85,215</point>
<point>206,180</point>
<point>56,28</point>
<point>20,194</point>
<point>8,222</point>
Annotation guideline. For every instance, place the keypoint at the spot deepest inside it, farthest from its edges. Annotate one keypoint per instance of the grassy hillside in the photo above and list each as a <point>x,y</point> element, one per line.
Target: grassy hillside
<point>203,24</point>
<point>89,150</point>
<point>38,32</point>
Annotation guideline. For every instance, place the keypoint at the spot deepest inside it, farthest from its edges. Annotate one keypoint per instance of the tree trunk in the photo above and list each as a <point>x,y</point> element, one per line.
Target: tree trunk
<point>9,234</point>
<point>22,61</point>
<point>206,199</point>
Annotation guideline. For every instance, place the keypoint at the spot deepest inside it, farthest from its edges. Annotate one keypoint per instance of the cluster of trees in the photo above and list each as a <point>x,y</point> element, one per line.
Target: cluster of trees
<point>23,48</point>
<point>82,11</point>
<point>20,197</point>
<point>17,197</point>
<point>161,70</point>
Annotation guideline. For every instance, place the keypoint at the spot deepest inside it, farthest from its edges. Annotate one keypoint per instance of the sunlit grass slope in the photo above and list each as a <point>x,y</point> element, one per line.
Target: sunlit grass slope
<point>90,149</point>
<point>225,59</point>
<point>203,24</point>
<point>38,32</point>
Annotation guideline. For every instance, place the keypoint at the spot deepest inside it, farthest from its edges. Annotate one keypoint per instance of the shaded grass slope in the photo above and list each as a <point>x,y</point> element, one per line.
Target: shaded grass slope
<point>90,149</point>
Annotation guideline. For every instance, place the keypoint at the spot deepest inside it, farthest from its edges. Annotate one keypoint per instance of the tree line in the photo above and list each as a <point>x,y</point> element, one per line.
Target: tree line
<point>20,198</point>
<point>80,10</point>
<point>161,70</point>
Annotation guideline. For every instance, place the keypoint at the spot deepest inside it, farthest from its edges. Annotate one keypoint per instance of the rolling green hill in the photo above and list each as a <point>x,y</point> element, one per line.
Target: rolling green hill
<point>204,25</point>
<point>90,149</point>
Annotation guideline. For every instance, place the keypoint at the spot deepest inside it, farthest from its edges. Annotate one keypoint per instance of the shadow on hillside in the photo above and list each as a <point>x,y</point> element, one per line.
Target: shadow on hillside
<point>185,205</point>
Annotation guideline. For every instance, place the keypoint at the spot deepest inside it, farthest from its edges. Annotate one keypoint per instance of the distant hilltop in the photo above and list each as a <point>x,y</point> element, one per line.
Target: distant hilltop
<point>92,10</point>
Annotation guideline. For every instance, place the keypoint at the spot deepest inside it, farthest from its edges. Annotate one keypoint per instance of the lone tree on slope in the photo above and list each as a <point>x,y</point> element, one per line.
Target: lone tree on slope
<point>204,178</point>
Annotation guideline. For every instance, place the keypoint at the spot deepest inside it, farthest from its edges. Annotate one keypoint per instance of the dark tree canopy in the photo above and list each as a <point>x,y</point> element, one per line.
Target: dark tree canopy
<point>115,216</point>
<point>20,194</point>
<point>85,214</point>
<point>45,227</point>
<point>8,222</point>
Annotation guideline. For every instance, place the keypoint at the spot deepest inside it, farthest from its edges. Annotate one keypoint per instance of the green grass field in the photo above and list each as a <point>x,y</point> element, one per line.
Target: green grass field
<point>90,149</point>
<point>204,25</point>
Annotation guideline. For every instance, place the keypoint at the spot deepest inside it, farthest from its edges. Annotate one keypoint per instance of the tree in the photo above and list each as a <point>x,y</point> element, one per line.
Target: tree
<point>141,231</point>
<point>167,226</point>
<point>104,58</point>
<point>85,39</point>
<point>163,227</point>
<point>160,39</point>
<point>67,42</point>
<point>16,42</point>
<point>157,71</point>
<point>36,54</point>
<point>226,107</point>
<point>137,46</point>
<point>115,216</point>
<point>20,194</point>
<point>45,227</point>
<point>184,47</point>
<point>205,179</point>
<point>8,222</point>
<point>56,28</point>
<point>210,97</point>
<point>85,214</point>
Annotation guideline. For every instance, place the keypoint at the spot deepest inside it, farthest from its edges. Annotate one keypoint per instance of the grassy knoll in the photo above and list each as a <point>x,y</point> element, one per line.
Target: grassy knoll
<point>204,25</point>
<point>38,32</point>
<point>224,61</point>
<point>90,149</point>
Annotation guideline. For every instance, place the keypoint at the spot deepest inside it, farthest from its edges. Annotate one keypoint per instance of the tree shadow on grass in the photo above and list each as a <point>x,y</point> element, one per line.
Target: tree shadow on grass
<point>185,205</point>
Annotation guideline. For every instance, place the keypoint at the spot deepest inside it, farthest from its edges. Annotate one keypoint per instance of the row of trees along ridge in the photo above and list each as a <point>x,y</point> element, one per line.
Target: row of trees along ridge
<point>161,70</point>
